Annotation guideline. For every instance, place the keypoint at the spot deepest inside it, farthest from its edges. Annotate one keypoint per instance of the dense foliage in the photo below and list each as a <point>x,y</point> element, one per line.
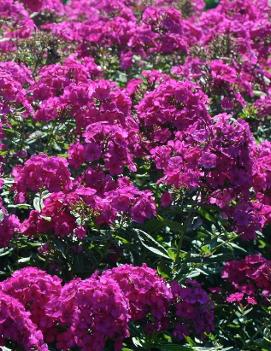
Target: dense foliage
<point>135,175</point>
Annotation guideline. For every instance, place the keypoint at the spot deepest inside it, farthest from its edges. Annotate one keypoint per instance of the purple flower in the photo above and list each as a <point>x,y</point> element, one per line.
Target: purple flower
<point>16,325</point>
<point>42,171</point>
<point>37,291</point>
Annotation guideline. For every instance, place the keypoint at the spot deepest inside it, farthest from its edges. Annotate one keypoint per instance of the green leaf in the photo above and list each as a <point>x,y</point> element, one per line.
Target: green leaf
<point>206,215</point>
<point>136,342</point>
<point>37,203</point>
<point>5,252</point>
<point>24,260</point>
<point>171,253</point>
<point>155,251</point>
<point>173,347</point>
<point>20,206</point>
<point>148,241</point>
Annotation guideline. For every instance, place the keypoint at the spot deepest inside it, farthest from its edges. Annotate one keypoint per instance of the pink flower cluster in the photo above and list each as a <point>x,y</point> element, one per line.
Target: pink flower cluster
<point>9,225</point>
<point>114,24</point>
<point>172,126</point>
<point>55,85</point>
<point>16,325</point>
<point>189,123</point>
<point>250,279</point>
<point>94,312</point>
<point>97,101</point>
<point>41,172</point>
<point>144,291</point>
<point>14,80</point>
<point>194,310</point>
<point>37,291</point>
<point>18,24</point>
<point>131,110</point>
<point>34,307</point>
<point>223,160</point>
<point>174,105</point>
<point>100,199</point>
<point>108,142</point>
<point>43,5</point>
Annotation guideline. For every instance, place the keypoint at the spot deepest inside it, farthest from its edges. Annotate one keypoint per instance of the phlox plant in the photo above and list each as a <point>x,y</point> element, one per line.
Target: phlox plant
<point>135,175</point>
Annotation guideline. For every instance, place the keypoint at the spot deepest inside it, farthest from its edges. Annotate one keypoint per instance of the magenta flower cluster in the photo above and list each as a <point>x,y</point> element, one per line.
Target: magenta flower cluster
<point>194,310</point>
<point>41,172</point>
<point>37,309</point>
<point>249,278</point>
<point>9,225</point>
<point>187,123</point>
<point>60,209</point>
<point>133,131</point>
<point>16,325</point>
